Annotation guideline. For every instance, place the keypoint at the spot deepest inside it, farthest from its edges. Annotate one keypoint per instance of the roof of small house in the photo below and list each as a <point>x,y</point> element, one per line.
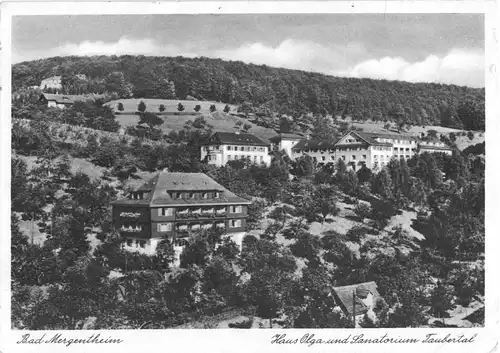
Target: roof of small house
<point>231,138</point>
<point>61,98</point>
<point>345,296</point>
<point>159,187</point>
<point>286,136</point>
<point>305,144</point>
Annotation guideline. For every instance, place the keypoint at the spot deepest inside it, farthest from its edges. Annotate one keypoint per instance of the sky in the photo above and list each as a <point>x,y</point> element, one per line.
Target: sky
<point>442,48</point>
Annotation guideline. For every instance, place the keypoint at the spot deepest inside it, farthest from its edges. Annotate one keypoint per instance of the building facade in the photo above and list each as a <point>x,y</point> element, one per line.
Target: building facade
<point>223,147</point>
<point>60,101</point>
<point>371,149</point>
<point>286,141</point>
<point>357,300</point>
<point>172,205</point>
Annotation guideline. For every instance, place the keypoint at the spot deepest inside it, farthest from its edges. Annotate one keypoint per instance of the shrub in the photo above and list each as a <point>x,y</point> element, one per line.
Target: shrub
<point>141,107</point>
<point>356,233</point>
<point>363,210</point>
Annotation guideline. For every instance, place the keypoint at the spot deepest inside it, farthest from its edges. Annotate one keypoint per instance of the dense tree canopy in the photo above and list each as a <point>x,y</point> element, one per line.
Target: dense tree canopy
<point>281,90</point>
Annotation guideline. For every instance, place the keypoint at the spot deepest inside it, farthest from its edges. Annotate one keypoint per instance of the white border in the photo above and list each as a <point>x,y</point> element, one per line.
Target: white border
<point>259,340</point>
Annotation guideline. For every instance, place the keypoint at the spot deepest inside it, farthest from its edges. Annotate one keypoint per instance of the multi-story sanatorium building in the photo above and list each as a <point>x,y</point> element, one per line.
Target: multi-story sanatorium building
<point>357,148</point>
<point>173,204</point>
<point>228,146</point>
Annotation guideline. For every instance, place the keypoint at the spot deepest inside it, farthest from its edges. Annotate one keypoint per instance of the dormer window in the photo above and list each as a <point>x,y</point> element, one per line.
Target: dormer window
<point>204,195</point>
<point>216,195</point>
<point>192,195</point>
<point>137,195</point>
<point>175,195</point>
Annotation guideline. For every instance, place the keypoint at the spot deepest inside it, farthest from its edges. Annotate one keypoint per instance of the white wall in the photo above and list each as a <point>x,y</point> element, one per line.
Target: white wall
<point>223,154</point>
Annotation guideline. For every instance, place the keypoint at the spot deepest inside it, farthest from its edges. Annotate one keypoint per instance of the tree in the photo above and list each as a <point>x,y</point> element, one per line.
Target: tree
<point>150,119</point>
<point>227,109</point>
<point>271,267</point>
<point>115,82</point>
<point>141,107</point>
<point>120,106</point>
<point>197,108</point>
<point>440,300</point>
<point>212,108</point>
<point>161,108</point>
<point>180,107</point>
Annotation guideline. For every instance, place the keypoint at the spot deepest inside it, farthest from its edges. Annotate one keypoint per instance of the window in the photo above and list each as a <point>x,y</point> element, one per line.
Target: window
<point>353,157</point>
<point>164,211</point>
<point>236,209</point>
<point>216,194</point>
<point>235,223</point>
<point>323,158</point>
<point>229,148</point>
<point>229,157</point>
<point>364,156</point>
<point>205,195</point>
<point>192,195</point>
<point>343,158</point>
<point>255,158</point>
<point>142,243</point>
<point>130,242</point>
<point>164,227</point>
<point>261,159</point>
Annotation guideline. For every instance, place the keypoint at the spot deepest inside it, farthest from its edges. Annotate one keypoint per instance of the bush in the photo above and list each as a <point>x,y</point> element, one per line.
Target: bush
<point>356,233</point>
<point>363,210</point>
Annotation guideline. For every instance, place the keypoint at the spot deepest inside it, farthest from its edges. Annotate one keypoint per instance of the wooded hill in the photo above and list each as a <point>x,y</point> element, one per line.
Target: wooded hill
<point>259,88</point>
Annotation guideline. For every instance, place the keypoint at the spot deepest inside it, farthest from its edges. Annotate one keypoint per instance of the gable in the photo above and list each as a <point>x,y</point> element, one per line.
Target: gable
<point>351,139</point>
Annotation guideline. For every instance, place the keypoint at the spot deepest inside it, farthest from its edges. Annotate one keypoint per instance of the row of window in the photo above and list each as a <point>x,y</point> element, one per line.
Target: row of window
<point>401,142</point>
<point>168,211</point>
<point>236,157</point>
<point>194,195</point>
<point>401,149</point>
<point>137,195</point>
<point>353,157</point>
<point>168,226</point>
<point>246,148</point>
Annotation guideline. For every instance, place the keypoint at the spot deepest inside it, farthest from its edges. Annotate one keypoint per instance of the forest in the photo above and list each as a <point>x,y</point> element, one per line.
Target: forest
<point>261,89</point>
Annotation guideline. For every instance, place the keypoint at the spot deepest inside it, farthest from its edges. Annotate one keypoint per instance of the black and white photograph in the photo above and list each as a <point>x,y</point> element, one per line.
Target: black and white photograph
<point>247,171</point>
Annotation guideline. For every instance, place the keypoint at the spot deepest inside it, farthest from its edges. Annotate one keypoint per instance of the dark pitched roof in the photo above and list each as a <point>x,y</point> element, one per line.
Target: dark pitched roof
<point>430,147</point>
<point>374,135</point>
<point>286,135</point>
<point>344,295</point>
<point>314,145</point>
<point>235,139</point>
<point>61,98</point>
<point>159,187</point>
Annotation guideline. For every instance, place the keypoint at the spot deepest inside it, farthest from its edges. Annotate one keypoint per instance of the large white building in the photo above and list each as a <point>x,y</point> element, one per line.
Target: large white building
<point>372,149</point>
<point>223,147</point>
